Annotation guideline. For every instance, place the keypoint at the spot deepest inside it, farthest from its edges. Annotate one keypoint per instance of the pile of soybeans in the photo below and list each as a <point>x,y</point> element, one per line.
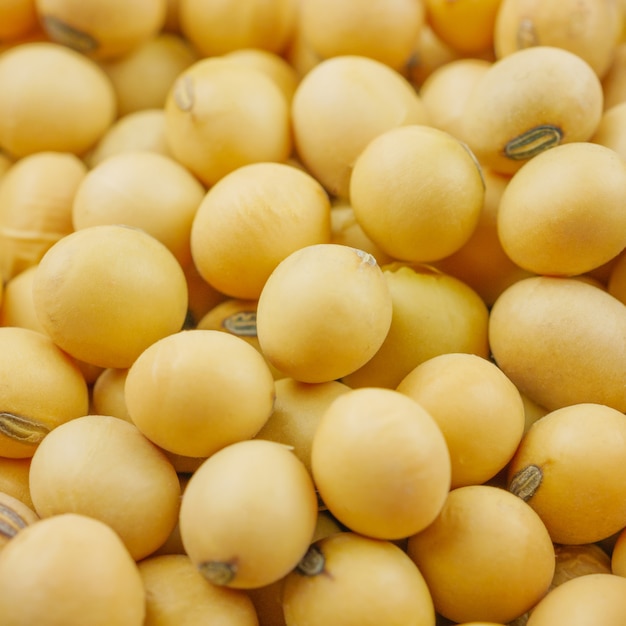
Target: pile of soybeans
<point>312,312</point>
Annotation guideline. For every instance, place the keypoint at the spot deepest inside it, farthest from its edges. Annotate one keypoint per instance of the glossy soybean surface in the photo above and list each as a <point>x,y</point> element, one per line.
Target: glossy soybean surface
<point>235,526</point>
<point>487,556</point>
<point>312,312</point>
<point>183,392</point>
<point>531,329</point>
<point>351,579</point>
<point>103,467</point>
<point>515,112</point>
<point>308,346</point>
<point>380,463</point>
<point>251,220</point>
<point>544,213</point>
<point>597,597</point>
<point>417,192</point>
<point>33,408</point>
<point>80,101</point>
<point>478,409</point>
<point>68,570</point>
<point>85,287</point>
<point>176,593</point>
<point>561,461</point>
